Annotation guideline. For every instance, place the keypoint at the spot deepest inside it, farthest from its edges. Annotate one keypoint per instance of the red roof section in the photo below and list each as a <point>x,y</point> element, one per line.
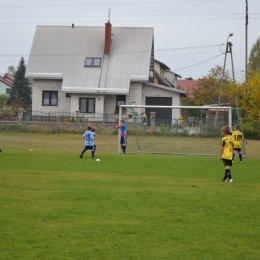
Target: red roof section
<point>7,80</point>
<point>188,85</point>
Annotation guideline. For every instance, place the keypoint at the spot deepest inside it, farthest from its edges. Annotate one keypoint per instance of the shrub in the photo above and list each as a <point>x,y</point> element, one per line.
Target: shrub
<point>13,127</point>
<point>252,130</point>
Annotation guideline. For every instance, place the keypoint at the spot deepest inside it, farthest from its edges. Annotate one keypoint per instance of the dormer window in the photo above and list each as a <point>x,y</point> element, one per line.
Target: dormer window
<point>93,62</point>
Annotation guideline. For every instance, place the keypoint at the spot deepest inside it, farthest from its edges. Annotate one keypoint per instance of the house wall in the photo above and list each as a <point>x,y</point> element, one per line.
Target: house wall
<point>135,96</point>
<point>3,88</point>
<point>99,104</point>
<point>157,67</point>
<point>49,85</point>
<point>104,104</point>
<point>171,76</point>
<point>110,104</point>
<point>66,104</point>
<point>149,91</point>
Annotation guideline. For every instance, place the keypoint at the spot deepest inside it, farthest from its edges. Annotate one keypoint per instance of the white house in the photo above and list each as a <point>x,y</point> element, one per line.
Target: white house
<point>94,69</point>
<point>6,84</point>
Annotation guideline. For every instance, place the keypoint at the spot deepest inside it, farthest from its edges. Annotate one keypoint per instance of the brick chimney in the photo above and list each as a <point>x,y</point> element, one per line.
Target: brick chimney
<point>108,31</point>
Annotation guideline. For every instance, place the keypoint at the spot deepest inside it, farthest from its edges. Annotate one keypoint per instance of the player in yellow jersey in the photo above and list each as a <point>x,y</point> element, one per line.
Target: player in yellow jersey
<point>226,153</point>
<point>237,138</point>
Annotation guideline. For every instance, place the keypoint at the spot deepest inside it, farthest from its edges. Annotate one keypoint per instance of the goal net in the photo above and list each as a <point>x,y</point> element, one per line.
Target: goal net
<point>187,130</point>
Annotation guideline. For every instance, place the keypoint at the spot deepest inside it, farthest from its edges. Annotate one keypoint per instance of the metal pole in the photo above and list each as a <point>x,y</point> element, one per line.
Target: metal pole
<point>220,87</point>
<point>119,134</point>
<point>233,73</point>
<point>230,45</point>
<point>223,72</point>
<point>230,117</point>
<point>246,37</point>
<point>224,67</point>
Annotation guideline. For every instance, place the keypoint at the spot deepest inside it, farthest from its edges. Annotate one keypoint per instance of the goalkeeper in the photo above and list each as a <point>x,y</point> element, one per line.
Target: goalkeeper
<point>123,139</point>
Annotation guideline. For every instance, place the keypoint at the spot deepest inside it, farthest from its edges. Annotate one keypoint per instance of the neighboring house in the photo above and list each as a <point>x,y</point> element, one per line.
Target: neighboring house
<point>6,83</point>
<point>222,113</point>
<point>173,78</point>
<point>188,85</point>
<point>95,69</point>
<point>164,76</point>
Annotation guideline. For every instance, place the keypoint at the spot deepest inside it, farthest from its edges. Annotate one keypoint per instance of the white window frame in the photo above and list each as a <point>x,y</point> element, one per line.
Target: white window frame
<point>52,99</point>
<point>90,108</point>
<point>92,62</point>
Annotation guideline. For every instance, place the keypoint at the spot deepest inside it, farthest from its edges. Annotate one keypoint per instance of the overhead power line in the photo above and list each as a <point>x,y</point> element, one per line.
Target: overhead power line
<point>126,15</point>
<point>130,21</point>
<point>166,55</point>
<point>156,50</point>
<point>199,62</point>
<point>117,3</point>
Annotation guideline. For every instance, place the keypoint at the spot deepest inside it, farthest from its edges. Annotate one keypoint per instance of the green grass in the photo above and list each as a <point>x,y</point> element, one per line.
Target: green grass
<point>55,205</point>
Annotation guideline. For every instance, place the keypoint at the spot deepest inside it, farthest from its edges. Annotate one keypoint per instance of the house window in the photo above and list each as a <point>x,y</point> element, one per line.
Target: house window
<point>87,105</point>
<point>120,100</point>
<point>93,62</point>
<point>8,91</point>
<point>68,95</point>
<point>50,98</point>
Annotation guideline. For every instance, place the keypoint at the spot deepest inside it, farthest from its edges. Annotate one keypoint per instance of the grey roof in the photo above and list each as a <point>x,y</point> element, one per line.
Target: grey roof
<point>181,92</point>
<point>59,52</point>
<point>164,66</point>
<point>178,75</point>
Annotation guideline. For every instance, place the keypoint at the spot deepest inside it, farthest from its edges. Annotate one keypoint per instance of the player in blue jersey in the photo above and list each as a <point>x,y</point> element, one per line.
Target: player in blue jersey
<point>93,130</point>
<point>123,139</point>
<point>88,140</point>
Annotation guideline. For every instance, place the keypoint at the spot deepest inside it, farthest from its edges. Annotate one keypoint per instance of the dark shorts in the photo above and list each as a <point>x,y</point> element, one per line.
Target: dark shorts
<point>89,148</point>
<point>227,162</point>
<point>123,140</point>
<point>237,149</point>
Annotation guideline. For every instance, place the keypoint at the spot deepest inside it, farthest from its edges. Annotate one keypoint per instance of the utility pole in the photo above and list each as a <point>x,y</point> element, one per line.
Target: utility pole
<point>228,50</point>
<point>246,37</point>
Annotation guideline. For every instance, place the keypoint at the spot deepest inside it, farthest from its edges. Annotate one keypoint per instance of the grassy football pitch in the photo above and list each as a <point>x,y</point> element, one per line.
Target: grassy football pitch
<point>55,205</point>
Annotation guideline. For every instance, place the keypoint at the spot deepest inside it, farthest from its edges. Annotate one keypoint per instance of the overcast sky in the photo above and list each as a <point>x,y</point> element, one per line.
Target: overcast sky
<point>186,32</point>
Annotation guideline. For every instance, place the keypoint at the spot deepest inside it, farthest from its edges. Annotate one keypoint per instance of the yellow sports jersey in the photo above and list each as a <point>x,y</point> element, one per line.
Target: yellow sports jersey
<point>237,138</point>
<point>227,143</point>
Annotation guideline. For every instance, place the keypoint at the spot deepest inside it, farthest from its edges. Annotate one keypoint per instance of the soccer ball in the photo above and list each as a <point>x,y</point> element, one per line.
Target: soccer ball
<point>98,160</point>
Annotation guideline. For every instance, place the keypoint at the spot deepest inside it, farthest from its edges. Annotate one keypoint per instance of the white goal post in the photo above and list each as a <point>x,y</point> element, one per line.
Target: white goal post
<point>174,129</point>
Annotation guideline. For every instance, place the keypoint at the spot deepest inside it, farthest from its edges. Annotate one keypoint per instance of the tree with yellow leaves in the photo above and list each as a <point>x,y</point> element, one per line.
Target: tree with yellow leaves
<point>250,96</point>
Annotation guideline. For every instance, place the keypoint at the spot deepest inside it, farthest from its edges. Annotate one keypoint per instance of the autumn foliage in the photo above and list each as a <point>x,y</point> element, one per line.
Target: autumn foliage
<point>216,88</point>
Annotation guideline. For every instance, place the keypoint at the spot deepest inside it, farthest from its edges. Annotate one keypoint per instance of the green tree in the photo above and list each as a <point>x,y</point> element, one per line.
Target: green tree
<point>20,95</point>
<point>254,57</point>
<point>189,101</point>
<point>211,87</point>
<point>3,101</point>
<point>11,71</point>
